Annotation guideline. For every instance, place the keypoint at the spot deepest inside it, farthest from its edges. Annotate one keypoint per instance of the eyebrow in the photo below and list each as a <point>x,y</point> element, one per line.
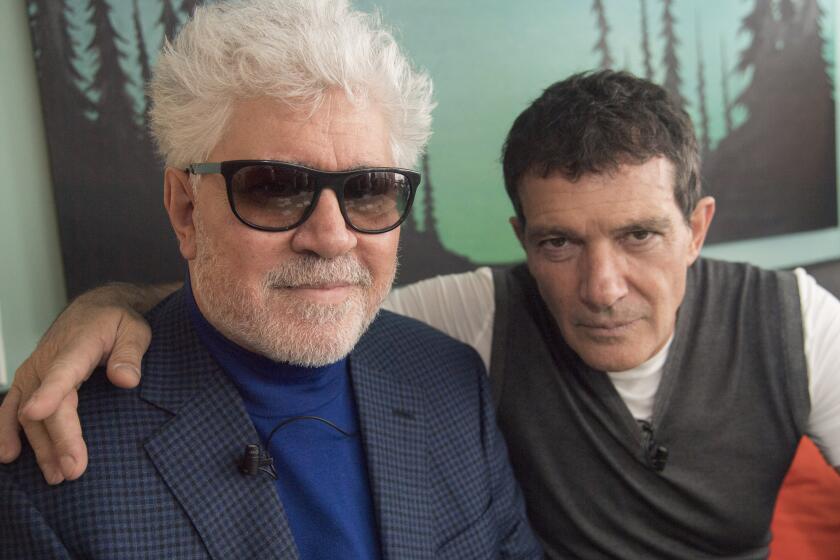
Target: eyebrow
<point>550,231</point>
<point>644,224</point>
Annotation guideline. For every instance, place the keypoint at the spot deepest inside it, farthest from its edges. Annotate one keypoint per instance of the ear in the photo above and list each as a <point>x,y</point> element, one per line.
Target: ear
<point>518,229</point>
<point>179,200</point>
<point>699,223</point>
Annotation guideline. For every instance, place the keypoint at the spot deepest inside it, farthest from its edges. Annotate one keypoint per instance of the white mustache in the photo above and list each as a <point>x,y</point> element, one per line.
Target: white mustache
<point>311,270</point>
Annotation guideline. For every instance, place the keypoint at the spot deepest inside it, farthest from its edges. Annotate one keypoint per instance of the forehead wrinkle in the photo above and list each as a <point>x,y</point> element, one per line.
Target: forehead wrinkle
<point>329,127</point>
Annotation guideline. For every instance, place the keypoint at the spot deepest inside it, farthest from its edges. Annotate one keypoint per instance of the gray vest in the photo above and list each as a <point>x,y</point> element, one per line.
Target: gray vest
<point>699,482</point>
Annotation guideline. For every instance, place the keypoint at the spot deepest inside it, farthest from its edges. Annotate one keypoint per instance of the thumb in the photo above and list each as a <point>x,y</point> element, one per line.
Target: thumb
<point>132,341</point>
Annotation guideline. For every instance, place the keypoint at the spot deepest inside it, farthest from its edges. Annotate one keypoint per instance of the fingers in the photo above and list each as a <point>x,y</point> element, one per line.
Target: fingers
<point>65,434</point>
<point>57,442</point>
<point>95,327</point>
<point>9,427</point>
<point>39,440</point>
<point>133,338</point>
<point>70,367</point>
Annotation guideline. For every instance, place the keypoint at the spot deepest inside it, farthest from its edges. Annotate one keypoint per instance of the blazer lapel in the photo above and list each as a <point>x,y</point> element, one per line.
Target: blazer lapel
<point>394,434</point>
<point>197,451</point>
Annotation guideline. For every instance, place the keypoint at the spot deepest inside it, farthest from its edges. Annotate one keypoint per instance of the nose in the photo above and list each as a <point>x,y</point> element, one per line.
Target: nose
<point>603,282</point>
<point>324,233</point>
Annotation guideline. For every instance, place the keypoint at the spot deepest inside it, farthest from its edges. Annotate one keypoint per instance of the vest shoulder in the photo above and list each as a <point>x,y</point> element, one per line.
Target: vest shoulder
<point>731,279</point>
<point>716,268</point>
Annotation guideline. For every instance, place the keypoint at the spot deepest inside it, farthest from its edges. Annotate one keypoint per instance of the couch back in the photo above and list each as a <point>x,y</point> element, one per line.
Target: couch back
<point>827,275</point>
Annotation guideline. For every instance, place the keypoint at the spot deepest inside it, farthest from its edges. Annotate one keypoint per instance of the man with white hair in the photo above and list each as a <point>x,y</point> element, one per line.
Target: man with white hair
<point>286,126</point>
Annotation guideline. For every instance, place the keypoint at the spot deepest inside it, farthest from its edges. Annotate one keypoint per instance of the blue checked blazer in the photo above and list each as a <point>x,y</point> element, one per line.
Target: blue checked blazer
<point>163,482</point>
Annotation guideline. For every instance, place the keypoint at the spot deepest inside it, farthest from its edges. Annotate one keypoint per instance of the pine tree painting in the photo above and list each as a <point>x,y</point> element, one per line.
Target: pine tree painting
<point>601,45</point>
<point>670,60</point>
<point>726,97</point>
<point>757,84</point>
<point>142,57</point>
<point>703,121</point>
<point>765,126</point>
<point>646,54</point>
<point>776,171</point>
<point>169,19</point>
<point>422,253</point>
<point>107,177</point>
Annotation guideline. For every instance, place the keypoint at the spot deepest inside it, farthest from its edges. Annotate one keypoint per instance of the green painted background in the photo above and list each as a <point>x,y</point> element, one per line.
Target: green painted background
<point>31,279</point>
<point>515,49</point>
<point>512,49</point>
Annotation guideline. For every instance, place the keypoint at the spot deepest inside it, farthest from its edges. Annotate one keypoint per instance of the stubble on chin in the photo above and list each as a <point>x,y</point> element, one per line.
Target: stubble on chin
<point>268,318</point>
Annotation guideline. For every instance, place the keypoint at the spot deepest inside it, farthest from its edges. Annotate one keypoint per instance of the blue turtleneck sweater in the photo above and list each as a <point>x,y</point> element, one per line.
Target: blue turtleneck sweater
<point>321,474</point>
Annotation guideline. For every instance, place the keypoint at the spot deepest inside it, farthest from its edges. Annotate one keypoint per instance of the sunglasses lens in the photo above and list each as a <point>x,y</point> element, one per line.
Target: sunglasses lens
<point>376,200</point>
<point>271,197</point>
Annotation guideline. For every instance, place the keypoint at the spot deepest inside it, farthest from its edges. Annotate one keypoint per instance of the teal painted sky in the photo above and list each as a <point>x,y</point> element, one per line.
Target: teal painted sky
<point>489,59</point>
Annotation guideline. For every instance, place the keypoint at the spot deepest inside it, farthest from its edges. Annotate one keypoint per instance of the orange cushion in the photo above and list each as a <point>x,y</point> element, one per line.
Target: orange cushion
<point>806,523</point>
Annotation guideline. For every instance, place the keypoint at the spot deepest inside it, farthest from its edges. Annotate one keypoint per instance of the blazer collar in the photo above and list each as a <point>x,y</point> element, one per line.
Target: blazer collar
<point>235,515</point>
<point>392,416</point>
<point>241,516</point>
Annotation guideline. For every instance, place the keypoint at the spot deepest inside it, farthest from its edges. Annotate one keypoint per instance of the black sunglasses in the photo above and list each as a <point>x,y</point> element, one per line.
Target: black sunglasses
<point>277,196</point>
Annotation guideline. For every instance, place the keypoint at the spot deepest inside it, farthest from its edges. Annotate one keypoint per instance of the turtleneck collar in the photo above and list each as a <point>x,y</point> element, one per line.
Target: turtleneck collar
<point>268,388</point>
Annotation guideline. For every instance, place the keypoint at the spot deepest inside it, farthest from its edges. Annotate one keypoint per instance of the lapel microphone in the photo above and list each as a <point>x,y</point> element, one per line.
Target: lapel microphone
<point>657,455</point>
<point>254,461</point>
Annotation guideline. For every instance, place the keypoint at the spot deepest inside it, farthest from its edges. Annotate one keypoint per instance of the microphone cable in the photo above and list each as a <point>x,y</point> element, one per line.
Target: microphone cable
<point>253,460</point>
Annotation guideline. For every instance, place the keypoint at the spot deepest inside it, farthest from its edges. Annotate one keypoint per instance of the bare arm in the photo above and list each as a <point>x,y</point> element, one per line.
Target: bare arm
<point>101,327</point>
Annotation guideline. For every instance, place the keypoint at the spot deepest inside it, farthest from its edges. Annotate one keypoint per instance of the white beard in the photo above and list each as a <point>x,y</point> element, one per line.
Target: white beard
<point>271,320</point>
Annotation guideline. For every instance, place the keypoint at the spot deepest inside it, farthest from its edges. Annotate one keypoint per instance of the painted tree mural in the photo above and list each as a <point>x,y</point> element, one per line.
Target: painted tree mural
<point>703,121</point>
<point>670,61</point>
<point>422,253</point>
<point>765,120</point>
<point>107,177</point>
<point>142,58</point>
<point>169,19</point>
<point>724,85</point>
<point>647,57</point>
<point>777,168</point>
<point>59,81</point>
<point>601,46</point>
<point>115,109</point>
<point>188,7</point>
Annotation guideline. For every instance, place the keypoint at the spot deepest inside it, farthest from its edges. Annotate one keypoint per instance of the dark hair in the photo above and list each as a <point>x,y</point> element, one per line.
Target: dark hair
<point>595,121</point>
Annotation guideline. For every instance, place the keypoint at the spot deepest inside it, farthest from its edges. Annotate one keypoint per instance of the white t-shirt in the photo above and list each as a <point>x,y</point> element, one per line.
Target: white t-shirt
<point>463,306</point>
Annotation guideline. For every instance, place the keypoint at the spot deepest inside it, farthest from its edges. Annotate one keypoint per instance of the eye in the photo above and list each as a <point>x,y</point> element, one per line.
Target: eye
<point>640,239</point>
<point>271,190</point>
<point>640,235</point>
<point>558,248</point>
<point>555,242</point>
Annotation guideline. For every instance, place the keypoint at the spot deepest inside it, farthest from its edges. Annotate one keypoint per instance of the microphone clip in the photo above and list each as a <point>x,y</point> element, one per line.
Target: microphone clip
<point>253,461</point>
<point>657,455</point>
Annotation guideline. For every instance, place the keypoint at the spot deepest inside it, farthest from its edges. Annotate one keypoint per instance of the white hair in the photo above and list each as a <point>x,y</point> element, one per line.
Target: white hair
<point>293,50</point>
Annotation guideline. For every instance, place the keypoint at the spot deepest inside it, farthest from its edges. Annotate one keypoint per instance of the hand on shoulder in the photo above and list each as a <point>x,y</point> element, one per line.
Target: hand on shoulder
<point>101,327</point>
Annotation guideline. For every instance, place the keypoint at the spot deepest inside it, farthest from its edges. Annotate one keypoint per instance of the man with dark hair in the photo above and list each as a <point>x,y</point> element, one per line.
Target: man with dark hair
<point>651,399</point>
<point>592,123</point>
